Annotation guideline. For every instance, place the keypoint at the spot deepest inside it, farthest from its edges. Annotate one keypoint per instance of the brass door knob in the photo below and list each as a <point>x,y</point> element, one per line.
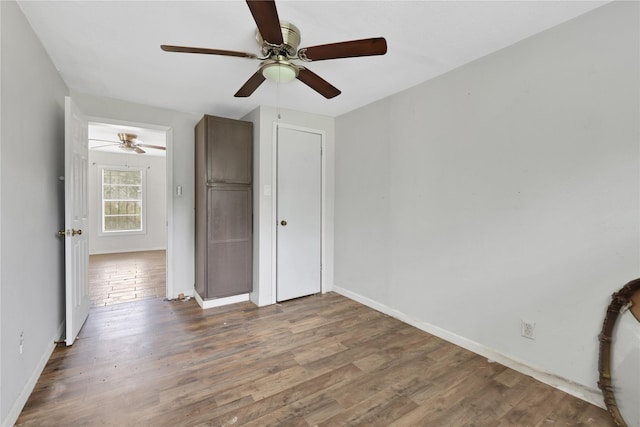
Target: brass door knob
<point>283,222</point>
<point>74,232</point>
<point>61,233</point>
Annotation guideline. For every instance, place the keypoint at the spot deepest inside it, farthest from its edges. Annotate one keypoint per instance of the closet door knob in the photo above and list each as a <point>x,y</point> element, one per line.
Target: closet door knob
<point>283,222</point>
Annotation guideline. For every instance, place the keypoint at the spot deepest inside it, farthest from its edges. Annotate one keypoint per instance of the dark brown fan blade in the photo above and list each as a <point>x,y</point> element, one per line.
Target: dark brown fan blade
<point>318,84</point>
<point>157,147</point>
<point>185,49</point>
<point>266,16</point>
<point>250,86</point>
<point>350,49</point>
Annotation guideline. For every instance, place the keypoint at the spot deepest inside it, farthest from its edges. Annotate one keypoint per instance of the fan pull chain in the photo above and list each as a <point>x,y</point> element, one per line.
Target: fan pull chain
<point>278,100</point>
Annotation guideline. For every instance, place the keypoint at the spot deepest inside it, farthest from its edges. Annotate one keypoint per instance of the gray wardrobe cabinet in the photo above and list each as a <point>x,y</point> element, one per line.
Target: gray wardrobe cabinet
<point>223,167</point>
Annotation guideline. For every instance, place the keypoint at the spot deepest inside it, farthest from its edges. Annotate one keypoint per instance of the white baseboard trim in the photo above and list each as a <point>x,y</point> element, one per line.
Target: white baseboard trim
<point>218,302</point>
<point>18,405</point>
<point>580,391</point>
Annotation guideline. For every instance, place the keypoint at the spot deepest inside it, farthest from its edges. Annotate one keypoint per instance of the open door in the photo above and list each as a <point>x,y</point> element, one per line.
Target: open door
<point>76,244</point>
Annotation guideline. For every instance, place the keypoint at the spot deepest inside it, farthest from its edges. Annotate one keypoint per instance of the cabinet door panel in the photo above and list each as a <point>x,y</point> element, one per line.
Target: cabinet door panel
<point>229,269</point>
<point>229,237</point>
<point>229,151</point>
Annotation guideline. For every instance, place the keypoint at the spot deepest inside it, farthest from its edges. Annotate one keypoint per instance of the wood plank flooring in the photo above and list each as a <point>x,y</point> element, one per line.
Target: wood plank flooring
<point>126,277</point>
<point>323,360</point>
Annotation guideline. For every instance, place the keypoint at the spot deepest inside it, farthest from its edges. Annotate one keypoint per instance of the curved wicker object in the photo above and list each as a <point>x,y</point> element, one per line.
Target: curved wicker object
<point>619,299</point>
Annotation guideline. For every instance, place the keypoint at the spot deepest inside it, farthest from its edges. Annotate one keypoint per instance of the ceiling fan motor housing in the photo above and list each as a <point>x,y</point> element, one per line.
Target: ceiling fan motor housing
<point>291,41</point>
<point>126,137</point>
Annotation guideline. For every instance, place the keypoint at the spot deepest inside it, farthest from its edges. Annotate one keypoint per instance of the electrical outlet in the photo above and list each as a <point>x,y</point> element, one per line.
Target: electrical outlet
<point>21,340</point>
<point>527,329</point>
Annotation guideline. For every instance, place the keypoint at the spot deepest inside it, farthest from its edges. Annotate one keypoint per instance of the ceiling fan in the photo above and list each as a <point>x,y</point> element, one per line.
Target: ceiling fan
<point>279,41</point>
<point>130,143</point>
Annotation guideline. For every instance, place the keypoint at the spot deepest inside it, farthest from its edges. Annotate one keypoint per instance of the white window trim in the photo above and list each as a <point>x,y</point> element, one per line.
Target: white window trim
<point>143,214</point>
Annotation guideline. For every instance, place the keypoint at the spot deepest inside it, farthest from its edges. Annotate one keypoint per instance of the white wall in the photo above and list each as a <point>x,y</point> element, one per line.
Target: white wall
<point>507,189</point>
<point>155,235</point>
<point>263,119</point>
<point>180,149</point>
<point>32,209</point>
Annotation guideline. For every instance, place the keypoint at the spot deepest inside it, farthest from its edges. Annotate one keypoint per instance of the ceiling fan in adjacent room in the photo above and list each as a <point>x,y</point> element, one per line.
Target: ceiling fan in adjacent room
<point>129,142</point>
<point>279,41</point>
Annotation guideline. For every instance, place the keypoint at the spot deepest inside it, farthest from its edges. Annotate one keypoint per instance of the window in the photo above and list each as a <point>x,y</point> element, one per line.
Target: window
<point>122,200</point>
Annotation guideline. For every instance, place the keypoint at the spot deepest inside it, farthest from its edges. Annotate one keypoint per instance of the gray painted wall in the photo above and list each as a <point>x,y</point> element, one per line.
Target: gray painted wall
<point>32,208</point>
<point>504,190</point>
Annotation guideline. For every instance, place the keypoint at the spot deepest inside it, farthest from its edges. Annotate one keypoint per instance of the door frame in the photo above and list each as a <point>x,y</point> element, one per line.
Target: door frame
<point>168,131</point>
<point>274,205</point>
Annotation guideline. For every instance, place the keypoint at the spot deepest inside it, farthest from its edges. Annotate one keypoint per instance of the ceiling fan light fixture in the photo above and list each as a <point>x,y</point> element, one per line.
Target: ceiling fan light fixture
<point>280,71</point>
<point>279,41</point>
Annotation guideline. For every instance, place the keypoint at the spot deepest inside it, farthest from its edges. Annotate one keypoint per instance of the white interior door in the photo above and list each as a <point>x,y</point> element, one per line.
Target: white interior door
<point>299,227</point>
<point>76,244</point>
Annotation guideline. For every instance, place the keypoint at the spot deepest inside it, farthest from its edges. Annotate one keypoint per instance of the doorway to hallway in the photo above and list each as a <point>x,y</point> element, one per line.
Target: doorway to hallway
<point>130,195</point>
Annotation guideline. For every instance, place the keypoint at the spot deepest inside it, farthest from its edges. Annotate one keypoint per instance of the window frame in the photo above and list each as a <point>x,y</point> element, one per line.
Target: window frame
<point>143,201</point>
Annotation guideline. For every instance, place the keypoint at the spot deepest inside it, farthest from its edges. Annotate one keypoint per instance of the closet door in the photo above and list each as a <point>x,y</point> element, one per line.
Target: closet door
<point>299,207</point>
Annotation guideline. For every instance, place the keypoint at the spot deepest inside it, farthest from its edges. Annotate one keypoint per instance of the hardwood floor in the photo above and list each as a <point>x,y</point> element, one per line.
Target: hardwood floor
<point>322,360</point>
<point>125,277</point>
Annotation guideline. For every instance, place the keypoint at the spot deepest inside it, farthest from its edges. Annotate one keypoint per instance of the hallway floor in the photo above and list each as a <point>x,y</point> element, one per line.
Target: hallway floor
<point>126,277</point>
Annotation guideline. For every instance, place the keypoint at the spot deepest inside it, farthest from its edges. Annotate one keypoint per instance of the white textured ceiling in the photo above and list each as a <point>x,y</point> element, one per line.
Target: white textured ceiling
<point>112,48</point>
